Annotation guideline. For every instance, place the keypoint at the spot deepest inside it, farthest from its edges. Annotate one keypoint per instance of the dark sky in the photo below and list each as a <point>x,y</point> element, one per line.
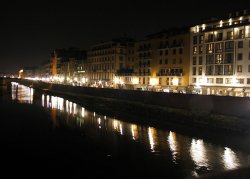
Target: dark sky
<point>30,30</point>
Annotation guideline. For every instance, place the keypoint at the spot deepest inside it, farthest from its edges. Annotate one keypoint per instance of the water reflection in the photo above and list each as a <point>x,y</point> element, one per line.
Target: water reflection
<point>170,145</point>
<point>173,145</point>
<point>151,133</point>
<point>230,159</point>
<point>22,93</point>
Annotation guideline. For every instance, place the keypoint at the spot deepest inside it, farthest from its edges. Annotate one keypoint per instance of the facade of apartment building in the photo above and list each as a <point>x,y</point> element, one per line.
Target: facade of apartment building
<point>162,61</point>
<point>109,63</point>
<point>220,56</point>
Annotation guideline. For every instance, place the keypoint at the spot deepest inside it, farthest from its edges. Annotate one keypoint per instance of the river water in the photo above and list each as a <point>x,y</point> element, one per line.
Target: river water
<point>123,149</point>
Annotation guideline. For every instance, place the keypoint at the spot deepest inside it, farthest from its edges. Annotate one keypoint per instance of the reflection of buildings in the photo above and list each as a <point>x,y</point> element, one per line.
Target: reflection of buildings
<point>220,56</point>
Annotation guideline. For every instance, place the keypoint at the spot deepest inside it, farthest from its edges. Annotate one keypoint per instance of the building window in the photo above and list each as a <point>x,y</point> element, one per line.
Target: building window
<point>218,58</point>
<point>194,80</point>
<point>166,52</point>
<point>180,81</point>
<point>120,58</point>
<point>160,81</point>
<point>239,68</point>
<point>220,36</point>
<point>248,68</point>
<point>194,50</point>
<point>230,35</point>
<point>218,70</point>
<point>228,80</point>
<point>167,81</point>
<point>194,60</point>
<point>228,70</point>
<point>200,60</point>
<point>210,80</point>
<point>241,34</point>
<point>194,40</point>
<point>160,62</point>
<point>229,46</point>
<point>209,48</point>
<point>240,80</point>
<point>248,80</point>
<point>194,70</point>
<point>200,49</point>
<point>200,71</point>
<point>209,70</point>
<point>249,56</point>
<point>229,58</point>
<point>240,56</point>
<point>174,51</point>
<point>180,51</point>
<point>240,44</point>
<point>160,53</point>
<point>219,80</point>
<point>201,39</point>
<point>166,61</point>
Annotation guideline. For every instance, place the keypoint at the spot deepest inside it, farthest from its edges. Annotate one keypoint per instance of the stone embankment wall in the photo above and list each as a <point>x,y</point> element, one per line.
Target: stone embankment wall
<point>225,105</point>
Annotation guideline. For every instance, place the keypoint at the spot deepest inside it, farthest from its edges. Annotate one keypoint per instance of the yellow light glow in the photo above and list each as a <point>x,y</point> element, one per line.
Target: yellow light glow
<point>230,21</point>
<point>221,23</point>
<point>153,81</point>
<point>115,124</point>
<point>83,112</point>
<point>203,26</point>
<point>116,80</point>
<point>175,81</point>
<point>197,28</point>
<point>135,80</point>
<point>247,31</point>
<point>75,79</point>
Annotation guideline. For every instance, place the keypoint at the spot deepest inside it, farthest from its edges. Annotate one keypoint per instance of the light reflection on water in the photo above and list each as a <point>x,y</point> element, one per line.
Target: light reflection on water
<point>194,155</point>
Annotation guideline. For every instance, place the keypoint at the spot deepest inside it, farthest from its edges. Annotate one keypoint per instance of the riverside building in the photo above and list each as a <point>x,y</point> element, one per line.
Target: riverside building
<point>220,56</point>
<point>111,63</point>
<point>162,61</point>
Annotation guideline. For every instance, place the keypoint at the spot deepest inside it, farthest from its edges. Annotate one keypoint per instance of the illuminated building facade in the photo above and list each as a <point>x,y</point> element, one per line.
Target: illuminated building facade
<point>162,61</point>
<point>109,63</point>
<point>65,65</point>
<point>220,56</point>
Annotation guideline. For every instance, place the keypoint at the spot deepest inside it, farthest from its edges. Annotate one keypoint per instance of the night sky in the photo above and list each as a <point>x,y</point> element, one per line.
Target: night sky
<point>30,30</point>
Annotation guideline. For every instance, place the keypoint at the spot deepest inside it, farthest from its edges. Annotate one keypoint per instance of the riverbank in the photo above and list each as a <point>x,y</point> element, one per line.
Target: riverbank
<point>105,102</point>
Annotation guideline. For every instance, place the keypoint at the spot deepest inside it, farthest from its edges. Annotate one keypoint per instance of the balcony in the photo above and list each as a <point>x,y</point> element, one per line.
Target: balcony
<point>169,74</point>
<point>125,72</point>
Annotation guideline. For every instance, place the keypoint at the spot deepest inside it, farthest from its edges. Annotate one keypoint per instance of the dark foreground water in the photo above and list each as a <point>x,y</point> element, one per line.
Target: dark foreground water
<point>45,136</point>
